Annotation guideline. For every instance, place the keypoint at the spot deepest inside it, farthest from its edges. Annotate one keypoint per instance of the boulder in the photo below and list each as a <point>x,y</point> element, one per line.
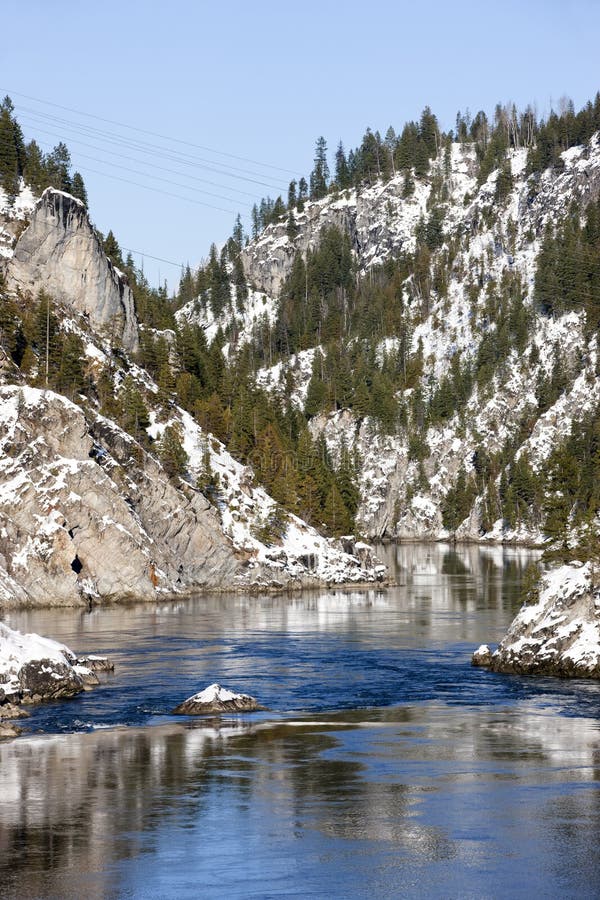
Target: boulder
<point>34,668</point>
<point>482,656</point>
<point>216,699</point>
<point>8,730</point>
<point>12,711</point>
<point>96,663</point>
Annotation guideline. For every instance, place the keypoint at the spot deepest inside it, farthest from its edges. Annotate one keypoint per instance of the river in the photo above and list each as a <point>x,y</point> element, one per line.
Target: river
<point>386,765</point>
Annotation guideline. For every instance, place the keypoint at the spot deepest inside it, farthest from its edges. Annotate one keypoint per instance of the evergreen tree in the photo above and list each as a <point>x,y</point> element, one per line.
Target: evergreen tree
<point>171,453</point>
<point>319,177</point>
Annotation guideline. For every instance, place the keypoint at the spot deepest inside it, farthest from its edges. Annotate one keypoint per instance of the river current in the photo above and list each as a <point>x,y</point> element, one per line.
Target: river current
<point>386,765</point>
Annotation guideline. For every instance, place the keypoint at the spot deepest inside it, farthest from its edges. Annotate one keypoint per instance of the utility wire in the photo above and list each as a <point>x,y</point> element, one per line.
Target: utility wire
<point>144,147</point>
<point>169,262</point>
<point>109,162</point>
<point>145,131</point>
<point>136,143</point>
<point>150,164</point>
<point>159,191</point>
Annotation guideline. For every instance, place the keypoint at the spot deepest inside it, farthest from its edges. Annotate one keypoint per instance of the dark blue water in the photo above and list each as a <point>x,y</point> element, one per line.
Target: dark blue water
<point>385,766</point>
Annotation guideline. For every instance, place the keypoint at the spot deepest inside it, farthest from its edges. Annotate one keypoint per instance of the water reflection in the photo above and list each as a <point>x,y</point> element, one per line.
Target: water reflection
<point>387,766</point>
<point>414,796</point>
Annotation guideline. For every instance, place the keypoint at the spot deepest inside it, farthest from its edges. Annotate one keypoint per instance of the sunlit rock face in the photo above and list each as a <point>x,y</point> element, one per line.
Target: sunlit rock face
<point>78,526</point>
<point>60,252</point>
<point>557,635</point>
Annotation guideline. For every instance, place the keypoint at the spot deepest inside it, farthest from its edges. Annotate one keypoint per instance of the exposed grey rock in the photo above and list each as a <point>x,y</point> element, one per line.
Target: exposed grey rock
<point>557,635</point>
<point>60,252</point>
<point>46,679</point>
<point>12,711</point>
<point>96,663</point>
<point>216,699</point>
<point>75,531</point>
<point>8,730</point>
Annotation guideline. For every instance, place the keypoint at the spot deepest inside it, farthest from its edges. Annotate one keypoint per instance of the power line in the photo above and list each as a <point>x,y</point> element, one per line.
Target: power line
<point>108,162</point>
<point>159,191</point>
<point>150,133</point>
<point>145,147</point>
<point>157,258</point>
<point>233,190</point>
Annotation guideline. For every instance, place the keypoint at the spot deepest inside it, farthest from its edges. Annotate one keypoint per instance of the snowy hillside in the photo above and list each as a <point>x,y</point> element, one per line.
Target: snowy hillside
<point>490,241</point>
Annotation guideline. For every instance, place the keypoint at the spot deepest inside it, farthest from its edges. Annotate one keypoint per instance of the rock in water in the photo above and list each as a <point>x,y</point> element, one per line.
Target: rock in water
<point>216,699</point>
<point>8,730</point>
<point>60,251</point>
<point>482,656</point>
<point>559,634</point>
<point>34,668</point>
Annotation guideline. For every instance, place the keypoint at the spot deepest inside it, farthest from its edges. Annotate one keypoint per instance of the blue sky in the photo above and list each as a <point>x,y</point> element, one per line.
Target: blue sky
<point>262,81</point>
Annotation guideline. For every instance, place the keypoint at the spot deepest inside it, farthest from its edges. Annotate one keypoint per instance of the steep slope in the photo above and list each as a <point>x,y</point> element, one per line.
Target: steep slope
<point>489,251</point>
<point>60,252</point>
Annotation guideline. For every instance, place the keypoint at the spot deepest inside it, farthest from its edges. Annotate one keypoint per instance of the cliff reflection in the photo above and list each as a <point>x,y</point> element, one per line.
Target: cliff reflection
<point>81,815</point>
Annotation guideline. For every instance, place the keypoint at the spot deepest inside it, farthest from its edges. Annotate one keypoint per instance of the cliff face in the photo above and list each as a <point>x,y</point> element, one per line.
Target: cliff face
<point>60,252</point>
<point>85,513</point>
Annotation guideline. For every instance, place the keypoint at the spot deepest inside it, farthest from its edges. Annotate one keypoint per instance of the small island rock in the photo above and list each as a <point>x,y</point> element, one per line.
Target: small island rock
<point>216,699</point>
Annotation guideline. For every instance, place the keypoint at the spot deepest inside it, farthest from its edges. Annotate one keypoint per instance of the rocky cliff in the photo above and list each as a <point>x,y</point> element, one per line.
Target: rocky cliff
<point>88,515</point>
<point>60,252</point>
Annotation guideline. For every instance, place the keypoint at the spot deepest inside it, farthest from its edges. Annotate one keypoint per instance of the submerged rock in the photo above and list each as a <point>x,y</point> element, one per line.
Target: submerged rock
<point>559,634</point>
<point>216,699</point>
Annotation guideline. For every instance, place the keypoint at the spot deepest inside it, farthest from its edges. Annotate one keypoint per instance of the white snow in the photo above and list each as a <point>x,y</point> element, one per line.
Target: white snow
<point>16,650</point>
<point>214,692</point>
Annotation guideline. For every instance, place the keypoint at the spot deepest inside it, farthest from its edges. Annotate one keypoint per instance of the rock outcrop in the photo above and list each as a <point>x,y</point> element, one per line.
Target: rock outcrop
<point>35,669</point>
<point>216,699</point>
<point>557,635</point>
<point>86,513</point>
<point>60,252</point>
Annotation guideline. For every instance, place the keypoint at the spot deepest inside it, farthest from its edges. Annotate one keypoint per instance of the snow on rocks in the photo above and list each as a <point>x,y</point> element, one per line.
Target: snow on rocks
<point>290,553</point>
<point>35,668</point>
<point>559,634</point>
<point>216,699</point>
<point>258,310</point>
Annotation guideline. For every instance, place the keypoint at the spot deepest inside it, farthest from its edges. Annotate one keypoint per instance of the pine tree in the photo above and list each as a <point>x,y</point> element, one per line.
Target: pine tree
<point>78,189</point>
<point>319,177</point>
<point>343,178</point>
<point>335,514</point>
<point>171,453</point>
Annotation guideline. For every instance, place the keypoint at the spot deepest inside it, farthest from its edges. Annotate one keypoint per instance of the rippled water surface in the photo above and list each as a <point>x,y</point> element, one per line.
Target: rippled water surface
<point>386,766</point>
